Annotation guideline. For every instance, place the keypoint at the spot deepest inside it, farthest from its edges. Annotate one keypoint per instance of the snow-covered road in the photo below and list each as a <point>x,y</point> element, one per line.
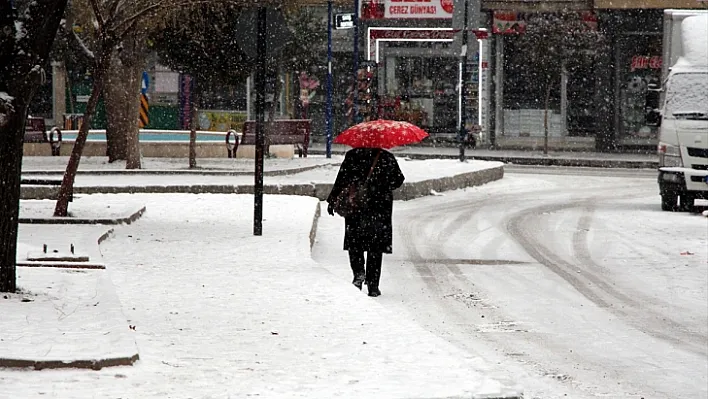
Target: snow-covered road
<point>573,283</point>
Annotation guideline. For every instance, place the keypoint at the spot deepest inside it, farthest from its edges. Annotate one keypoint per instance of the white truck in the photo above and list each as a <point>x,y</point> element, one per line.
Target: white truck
<point>683,130</point>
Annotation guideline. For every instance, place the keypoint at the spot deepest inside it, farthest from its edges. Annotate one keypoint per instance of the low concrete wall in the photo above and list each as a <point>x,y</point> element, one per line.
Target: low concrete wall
<point>409,191</point>
<point>164,149</point>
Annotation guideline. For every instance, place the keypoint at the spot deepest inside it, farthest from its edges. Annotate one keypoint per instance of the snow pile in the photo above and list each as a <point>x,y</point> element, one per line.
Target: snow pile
<point>20,31</point>
<point>83,208</point>
<point>5,106</point>
<point>694,30</point>
<point>705,213</point>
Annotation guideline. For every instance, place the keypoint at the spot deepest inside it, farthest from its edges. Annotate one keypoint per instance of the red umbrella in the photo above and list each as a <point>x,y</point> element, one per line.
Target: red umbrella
<point>381,134</point>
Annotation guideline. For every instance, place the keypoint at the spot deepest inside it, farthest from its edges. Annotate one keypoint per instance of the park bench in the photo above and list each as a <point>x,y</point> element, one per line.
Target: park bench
<point>36,132</point>
<point>288,131</point>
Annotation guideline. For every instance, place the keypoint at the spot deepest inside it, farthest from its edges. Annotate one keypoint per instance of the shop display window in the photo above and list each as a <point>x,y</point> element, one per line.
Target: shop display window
<point>639,66</point>
<point>423,90</point>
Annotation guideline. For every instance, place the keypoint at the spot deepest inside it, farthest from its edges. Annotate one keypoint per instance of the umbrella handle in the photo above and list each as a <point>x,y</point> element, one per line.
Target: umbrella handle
<point>371,171</point>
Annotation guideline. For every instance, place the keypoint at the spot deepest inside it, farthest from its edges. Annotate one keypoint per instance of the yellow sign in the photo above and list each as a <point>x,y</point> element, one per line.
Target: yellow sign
<point>144,117</point>
<point>220,120</point>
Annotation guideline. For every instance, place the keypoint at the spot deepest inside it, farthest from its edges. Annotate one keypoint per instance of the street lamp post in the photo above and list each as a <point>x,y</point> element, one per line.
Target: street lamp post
<point>462,134</point>
<point>329,80</point>
<point>260,120</point>
<point>355,63</point>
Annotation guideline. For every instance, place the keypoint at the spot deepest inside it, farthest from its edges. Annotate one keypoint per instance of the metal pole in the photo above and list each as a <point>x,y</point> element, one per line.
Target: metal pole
<point>462,134</point>
<point>329,79</point>
<point>260,120</point>
<point>355,63</point>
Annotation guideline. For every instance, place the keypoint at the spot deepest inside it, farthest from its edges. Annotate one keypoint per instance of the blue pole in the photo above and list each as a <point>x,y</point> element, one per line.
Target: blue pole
<point>355,93</point>
<point>329,79</point>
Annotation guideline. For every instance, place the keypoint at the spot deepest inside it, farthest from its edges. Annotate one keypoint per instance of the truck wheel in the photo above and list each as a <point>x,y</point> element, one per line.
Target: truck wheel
<point>686,203</point>
<point>668,202</point>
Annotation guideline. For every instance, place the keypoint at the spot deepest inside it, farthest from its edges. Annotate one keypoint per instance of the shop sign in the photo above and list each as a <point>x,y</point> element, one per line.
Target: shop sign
<point>416,9</point>
<point>511,22</point>
<point>406,9</point>
<point>646,62</point>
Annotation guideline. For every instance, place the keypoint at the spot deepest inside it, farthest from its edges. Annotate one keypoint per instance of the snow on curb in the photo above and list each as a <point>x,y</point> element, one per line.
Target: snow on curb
<point>169,172</point>
<point>411,189</point>
<point>72,220</point>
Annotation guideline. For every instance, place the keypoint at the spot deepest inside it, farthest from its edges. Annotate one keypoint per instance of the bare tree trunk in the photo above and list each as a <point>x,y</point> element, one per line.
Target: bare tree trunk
<point>545,118</point>
<point>133,114</point>
<point>67,185</point>
<point>123,84</point>
<point>21,54</point>
<point>193,130</point>
<point>10,168</point>
<point>116,95</point>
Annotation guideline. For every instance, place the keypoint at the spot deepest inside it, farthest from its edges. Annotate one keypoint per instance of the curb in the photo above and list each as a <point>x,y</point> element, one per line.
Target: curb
<point>105,236</point>
<point>197,171</point>
<point>469,179</point>
<point>76,364</point>
<point>68,220</point>
<point>566,162</point>
<point>320,191</point>
<point>63,265</point>
<point>315,222</point>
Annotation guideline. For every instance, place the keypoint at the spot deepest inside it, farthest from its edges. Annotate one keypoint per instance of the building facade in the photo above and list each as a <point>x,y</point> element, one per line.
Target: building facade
<point>595,105</point>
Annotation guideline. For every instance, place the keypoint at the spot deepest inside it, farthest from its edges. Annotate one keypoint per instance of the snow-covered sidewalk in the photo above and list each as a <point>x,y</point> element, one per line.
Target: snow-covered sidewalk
<point>36,164</point>
<point>220,313</point>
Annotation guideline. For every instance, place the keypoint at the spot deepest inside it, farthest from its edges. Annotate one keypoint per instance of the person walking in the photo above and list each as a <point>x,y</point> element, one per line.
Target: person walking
<point>369,229</point>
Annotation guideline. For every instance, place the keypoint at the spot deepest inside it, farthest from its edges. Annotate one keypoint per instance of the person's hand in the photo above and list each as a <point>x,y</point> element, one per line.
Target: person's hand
<point>330,209</point>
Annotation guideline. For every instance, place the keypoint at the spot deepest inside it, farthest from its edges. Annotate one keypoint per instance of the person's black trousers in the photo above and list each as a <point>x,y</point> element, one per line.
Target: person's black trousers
<point>372,267</point>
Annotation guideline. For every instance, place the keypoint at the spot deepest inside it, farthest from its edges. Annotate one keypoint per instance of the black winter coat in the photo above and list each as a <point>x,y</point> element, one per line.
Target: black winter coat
<point>371,230</point>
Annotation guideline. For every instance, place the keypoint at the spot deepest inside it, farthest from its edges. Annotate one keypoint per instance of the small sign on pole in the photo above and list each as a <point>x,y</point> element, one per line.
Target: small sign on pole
<point>344,21</point>
<point>145,83</point>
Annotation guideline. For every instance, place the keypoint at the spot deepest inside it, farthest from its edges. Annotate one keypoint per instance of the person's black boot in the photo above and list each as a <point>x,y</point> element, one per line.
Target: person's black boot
<point>373,273</point>
<point>359,280</point>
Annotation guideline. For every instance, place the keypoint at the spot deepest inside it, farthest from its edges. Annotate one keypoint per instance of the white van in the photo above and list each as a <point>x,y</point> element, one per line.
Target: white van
<point>683,132</point>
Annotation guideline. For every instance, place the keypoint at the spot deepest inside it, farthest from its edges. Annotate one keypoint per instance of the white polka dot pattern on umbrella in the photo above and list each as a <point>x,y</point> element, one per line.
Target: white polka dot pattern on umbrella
<point>381,134</point>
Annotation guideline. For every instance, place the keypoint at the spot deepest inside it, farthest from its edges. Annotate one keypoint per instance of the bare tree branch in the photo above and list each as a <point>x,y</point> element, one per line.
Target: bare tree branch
<point>99,18</point>
<point>83,45</point>
<point>124,26</point>
<point>114,6</point>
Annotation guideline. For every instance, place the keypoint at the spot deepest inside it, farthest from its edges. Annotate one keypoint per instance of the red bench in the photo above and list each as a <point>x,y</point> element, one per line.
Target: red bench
<point>287,131</point>
<point>36,132</point>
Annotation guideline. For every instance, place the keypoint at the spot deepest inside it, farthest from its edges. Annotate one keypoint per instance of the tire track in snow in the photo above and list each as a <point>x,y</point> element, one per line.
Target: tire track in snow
<point>593,286</point>
<point>677,333</point>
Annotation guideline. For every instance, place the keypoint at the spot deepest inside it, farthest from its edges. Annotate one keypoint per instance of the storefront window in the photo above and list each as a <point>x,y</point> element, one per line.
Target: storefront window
<point>639,63</point>
<point>422,90</point>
